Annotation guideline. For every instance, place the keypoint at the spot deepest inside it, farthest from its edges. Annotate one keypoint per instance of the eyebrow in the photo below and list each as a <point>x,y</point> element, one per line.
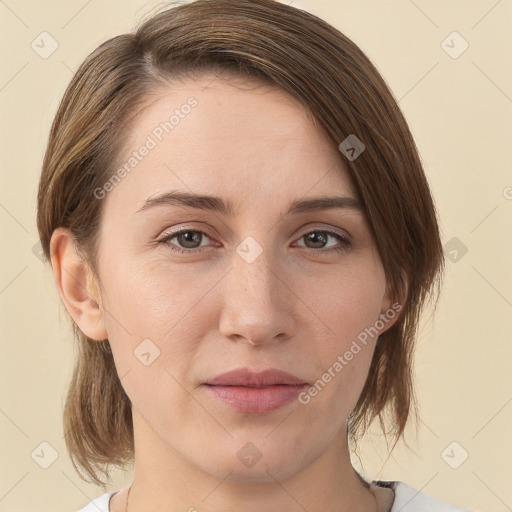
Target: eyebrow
<point>226,207</point>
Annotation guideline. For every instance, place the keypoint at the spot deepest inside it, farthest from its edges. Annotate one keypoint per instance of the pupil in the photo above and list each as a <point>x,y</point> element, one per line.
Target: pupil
<point>188,237</point>
<point>314,237</point>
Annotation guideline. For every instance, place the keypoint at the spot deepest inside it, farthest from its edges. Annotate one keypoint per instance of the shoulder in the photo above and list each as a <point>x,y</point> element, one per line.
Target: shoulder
<point>100,504</point>
<point>409,499</point>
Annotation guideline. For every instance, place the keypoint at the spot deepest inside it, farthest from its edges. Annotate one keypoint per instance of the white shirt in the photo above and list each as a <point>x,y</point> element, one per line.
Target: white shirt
<point>407,499</point>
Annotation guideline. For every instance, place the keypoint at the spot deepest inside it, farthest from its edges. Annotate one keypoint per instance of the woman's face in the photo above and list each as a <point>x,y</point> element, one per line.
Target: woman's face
<point>261,286</point>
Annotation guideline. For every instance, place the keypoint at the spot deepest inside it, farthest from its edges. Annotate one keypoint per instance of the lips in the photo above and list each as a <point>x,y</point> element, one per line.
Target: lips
<point>246,377</point>
<point>255,393</point>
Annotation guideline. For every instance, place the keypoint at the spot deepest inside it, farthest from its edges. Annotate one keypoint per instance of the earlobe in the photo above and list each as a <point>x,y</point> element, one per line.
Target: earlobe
<point>76,285</point>
<point>391,309</point>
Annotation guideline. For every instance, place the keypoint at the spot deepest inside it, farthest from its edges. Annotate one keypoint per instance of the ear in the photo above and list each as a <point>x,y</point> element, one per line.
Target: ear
<point>77,285</point>
<point>391,309</point>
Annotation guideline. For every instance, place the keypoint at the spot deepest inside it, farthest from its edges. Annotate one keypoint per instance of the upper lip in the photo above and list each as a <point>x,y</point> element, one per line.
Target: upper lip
<point>246,377</point>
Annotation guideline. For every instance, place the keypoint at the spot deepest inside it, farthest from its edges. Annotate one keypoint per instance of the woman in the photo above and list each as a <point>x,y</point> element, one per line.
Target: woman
<point>241,230</point>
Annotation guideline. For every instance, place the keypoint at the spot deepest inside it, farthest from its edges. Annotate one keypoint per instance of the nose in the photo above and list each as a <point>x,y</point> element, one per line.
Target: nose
<point>257,302</point>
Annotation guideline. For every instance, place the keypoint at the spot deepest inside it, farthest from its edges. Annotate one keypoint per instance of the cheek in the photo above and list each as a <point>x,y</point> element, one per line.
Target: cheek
<point>153,307</point>
<point>150,296</point>
<point>350,300</point>
<point>153,335</point>
<point>349,305</point>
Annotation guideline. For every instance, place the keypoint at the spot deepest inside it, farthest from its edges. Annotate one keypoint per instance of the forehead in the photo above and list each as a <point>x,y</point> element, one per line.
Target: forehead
<point>229,137</point>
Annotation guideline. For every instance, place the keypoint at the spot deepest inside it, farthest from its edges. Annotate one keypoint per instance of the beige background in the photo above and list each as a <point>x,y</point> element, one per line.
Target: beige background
<point>459,110</point>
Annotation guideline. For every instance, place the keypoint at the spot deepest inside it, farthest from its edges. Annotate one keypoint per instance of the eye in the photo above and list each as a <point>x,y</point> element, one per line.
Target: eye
<point>319,238</point>
<point>190,240</point>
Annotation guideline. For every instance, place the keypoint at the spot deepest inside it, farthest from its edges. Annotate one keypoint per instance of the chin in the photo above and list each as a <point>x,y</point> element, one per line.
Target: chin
<point>248,464</point>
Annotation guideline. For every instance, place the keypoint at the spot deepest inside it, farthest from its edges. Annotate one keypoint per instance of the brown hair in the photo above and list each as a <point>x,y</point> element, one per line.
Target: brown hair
<point>342,91</point>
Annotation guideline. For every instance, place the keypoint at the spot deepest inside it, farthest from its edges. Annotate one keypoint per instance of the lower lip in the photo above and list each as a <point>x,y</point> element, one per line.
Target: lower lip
<point>256,400</point>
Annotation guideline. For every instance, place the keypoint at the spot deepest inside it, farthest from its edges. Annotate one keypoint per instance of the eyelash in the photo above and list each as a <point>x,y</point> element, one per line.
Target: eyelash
<point>345,243</point>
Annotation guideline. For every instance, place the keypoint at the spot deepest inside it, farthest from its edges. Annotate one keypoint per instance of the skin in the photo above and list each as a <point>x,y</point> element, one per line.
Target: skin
<point>296,307</point>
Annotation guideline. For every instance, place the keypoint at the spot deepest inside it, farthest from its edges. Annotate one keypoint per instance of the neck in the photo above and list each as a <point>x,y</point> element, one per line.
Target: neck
<point>164,481</point>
